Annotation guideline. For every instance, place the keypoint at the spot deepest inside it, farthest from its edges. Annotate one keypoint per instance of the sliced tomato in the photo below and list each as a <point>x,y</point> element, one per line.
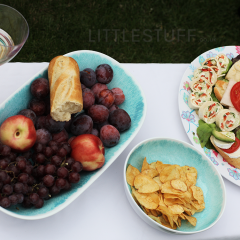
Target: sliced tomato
<point>235,95</point>
<point>234,147</point>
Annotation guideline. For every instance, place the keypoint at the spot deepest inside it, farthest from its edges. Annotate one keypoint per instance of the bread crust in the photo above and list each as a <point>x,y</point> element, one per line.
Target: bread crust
<point>233,161</point>
<point>65,88</point>
<point>220,88</point>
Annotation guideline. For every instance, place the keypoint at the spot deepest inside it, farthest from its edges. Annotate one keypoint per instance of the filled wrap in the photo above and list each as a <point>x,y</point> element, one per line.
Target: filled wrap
<point>209,110</point>
<point>224,62</point>
<point>200,84</point>
<point>196,99</point>
<point>227,120</point>
<point>214,64</point>
<point>207,72</point>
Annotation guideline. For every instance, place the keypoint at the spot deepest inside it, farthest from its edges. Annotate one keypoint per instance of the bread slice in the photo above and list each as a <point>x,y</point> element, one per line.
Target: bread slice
<point>65,88</point>
<point>233,161</point>
<point>220,88</point>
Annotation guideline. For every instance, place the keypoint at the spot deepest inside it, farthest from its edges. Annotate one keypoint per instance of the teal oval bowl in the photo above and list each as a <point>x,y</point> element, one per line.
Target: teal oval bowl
<point>134,104</point>
<point>173,151</point>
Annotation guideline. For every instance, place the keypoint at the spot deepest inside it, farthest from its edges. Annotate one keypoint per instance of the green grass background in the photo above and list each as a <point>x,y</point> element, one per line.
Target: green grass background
<point>61,26</point>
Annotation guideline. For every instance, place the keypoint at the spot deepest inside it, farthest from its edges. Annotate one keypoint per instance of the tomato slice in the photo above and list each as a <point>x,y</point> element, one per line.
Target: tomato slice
<point>235,96</point>
<point>234,147</point>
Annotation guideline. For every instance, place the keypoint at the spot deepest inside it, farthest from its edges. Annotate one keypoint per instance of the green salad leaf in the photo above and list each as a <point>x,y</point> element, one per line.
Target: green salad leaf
<point>237,134</point>
<point>204,132</point>
<point>214,97</point>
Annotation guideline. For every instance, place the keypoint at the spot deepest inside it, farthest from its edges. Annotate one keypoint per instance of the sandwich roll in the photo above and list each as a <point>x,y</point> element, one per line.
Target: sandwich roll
<point>207,72</point>
<point>227,120</point>
<point>196,99</point>
<point>214,64</point>
<point>200,84</point>
<point>233,161</point>
<point>65,88</point>
<point>209,110</point>
<point>224,62</point>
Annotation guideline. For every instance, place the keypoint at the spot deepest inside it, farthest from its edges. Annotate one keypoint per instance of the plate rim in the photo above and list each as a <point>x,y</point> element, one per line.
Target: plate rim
<point>157,225</point>
<point>99,173</point>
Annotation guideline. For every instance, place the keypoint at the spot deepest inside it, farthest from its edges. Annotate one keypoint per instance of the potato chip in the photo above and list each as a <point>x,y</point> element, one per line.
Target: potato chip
<point>145,165</point>
<point>172,201</point>
<point>167,188</point>
<point>169,195</point>
<point>176,209</point>
<point>157,219</point>
<point>145,184</point>
<point>148,200</point>
<point>153,165</point>
<point>175,219</point>
<point>164,222</point>
<point>169,173</point>
<point>198,194</point>
<point>166,193</point>
<point>154,212</point>
<point>131,173</point>
<point>157,180</point>
<point>188,169</point>
<point>146,210</point>
<point>183,176</point>
<point>179,222</point>
<point>160,166</point>
<point>150,172</point>
<point>191,219</point>
<point>165,218</point>
<point>197,206</point>
<point>191,179</point>
<point>179,185</point>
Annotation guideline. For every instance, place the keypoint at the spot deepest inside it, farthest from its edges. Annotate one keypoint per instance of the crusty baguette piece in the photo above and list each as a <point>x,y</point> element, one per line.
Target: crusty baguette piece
<point>233,161</point>
<point>220,88</point>
<point>65,88</point>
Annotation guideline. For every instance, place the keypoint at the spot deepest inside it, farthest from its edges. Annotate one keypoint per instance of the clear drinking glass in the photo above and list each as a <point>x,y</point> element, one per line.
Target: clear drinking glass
<point>14,32</point>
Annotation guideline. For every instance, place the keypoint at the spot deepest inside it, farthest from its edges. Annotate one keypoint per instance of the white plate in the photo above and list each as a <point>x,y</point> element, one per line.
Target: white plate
<point>190,118</point>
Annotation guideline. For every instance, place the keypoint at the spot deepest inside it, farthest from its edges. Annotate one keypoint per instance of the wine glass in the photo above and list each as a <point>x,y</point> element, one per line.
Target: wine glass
<point>14,32</point>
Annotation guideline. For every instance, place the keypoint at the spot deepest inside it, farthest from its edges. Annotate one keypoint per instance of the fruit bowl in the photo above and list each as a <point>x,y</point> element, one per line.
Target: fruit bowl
<point>171,151</point>
<point>134,104</point>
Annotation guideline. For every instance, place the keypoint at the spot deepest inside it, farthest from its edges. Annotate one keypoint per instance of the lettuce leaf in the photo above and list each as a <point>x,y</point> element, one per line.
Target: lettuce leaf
<point>204,132</point>
<point>214,97</point>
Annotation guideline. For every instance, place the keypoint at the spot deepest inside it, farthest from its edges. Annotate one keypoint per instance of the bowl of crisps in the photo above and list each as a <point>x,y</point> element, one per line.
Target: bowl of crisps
<point>173,187</point>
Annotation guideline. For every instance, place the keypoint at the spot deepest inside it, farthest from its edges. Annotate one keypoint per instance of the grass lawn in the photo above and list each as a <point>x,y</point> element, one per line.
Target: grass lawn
<point>136,31</point>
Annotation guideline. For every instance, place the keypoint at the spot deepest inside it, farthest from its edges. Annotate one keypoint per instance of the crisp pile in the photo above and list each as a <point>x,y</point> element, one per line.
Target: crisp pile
<point>166,193</point>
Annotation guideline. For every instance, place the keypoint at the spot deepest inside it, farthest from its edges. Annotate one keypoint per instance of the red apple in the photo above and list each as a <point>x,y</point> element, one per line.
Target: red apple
<point>18,132</point>
<point>89,150</point>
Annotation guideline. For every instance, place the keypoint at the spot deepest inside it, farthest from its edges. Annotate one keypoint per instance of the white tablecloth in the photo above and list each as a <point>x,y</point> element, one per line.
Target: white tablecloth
<point>103,211</point>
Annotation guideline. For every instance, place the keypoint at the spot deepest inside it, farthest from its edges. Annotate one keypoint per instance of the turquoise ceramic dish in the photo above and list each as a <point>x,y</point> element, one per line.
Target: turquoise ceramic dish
<point>172,151</point>
<point>134,104</point>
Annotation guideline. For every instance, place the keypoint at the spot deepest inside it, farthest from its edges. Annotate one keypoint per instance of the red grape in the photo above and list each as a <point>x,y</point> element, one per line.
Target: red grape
<point>40,88</point>
<point>106,98</point>
<point>109,135</point>
<point>98,113</point>
<point>43,136</point>
<point>30,114</point>
<point>120,119</point>
<point>104,73</point>
<point>119,96</point>
<point>88,77</point>
<point>37,106</point>
<point>48,180</point>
